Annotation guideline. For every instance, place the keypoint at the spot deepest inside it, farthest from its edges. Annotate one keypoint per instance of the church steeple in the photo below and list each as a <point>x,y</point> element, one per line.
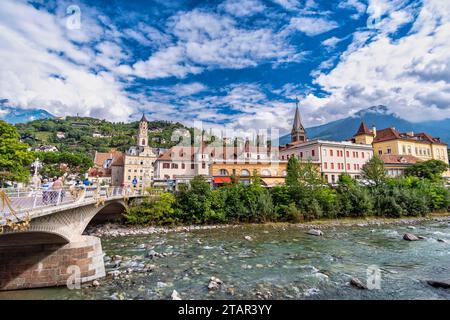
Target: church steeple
<point>143,132</point>
<point>298,133</point>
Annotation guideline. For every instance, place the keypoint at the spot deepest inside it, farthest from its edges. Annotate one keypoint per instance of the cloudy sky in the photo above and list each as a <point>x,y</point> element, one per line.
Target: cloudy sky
<point>239,63</point>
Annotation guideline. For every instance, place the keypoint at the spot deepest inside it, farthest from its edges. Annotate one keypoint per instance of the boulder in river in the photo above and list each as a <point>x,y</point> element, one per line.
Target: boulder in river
<point>248,238</point>
<point>442,240</point>
<point>355,282</point>
<point>214,283</point>
<point>175,295</point>
<point>439,284</point>
<point>315,232</point>
<point>410,237</point>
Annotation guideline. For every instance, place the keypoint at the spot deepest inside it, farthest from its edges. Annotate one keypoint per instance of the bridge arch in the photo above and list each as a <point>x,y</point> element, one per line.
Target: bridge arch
<point>111,211</point>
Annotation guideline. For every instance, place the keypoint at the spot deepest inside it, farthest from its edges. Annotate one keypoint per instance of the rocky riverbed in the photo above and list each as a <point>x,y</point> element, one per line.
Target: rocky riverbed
<point>275,261</point>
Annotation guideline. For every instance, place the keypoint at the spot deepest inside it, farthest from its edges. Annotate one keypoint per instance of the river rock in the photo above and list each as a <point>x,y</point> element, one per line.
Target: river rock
<point>315,232</point>
<point>355,282</point>
<point>439,284</point>
<point>153,254</point>
<point>248,238</point>
<point>410,237</point>
<point>442,240</point>
<point>175,295</point>
<point>116,257</point>
<point>214,283</point>
<point>95,283</point>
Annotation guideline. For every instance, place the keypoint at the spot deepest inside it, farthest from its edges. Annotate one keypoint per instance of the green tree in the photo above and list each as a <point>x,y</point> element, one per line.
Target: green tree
<point>431,169</point>
<point>292,172</point>
<point>153,211</point>
<point>14,157</point>
<point>374,171</point>
<point>194,201</point>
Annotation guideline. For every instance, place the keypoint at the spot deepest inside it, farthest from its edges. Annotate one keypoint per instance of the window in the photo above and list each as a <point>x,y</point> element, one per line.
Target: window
<point>265,173</point>
<point>347,153</point>
<point>388,150</point>
<point>245,173</point>
<point>362,155</point>
<point>354,166</point>
<point>301,154</point>
<point>333,178</point>
<point>348,166</point>
<point>203,165</point>
<point>332,165</point>
<point>324,152</point>
<point>174,165</point>
<point>409,149</point>
<point>166,165</point>
<point>284,173</point>
<point>404,149</point>
<point>183,166</point>
<point>380,152</point>
<point>313,153</point>
<point>192,166</point>
<point>325,165</point>
<point>223,172</point>
<point>331,152</point>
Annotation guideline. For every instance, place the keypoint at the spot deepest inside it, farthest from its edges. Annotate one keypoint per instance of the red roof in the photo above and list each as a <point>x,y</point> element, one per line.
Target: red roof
<point>399,159</point>
<point>392,134</point>
<point>363,130</point>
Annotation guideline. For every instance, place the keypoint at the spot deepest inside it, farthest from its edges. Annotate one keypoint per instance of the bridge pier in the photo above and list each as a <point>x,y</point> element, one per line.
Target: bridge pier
<point>51,264</point>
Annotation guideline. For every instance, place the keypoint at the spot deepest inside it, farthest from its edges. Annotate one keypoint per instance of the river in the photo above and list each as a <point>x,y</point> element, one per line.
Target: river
<point>278,262</point>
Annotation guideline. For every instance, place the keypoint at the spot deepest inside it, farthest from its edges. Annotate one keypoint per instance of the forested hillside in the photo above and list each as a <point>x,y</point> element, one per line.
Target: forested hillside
<point>86,135</point>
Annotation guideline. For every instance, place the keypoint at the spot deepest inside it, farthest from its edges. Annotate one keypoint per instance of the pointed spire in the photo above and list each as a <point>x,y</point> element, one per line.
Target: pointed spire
<point>143,118</point>
<point>297,118</point>
<point>298,131</point>
<point>363,129</point>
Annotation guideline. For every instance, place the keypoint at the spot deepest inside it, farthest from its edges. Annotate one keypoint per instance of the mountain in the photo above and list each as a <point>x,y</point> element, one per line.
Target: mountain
<point>378,116</point>
<point>17,115</point>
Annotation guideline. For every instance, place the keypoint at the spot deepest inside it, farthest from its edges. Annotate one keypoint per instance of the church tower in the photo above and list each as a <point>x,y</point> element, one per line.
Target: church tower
<point>143,132</point>
<point>298,133</point>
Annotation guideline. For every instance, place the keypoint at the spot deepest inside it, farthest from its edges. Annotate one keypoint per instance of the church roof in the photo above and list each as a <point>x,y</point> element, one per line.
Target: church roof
<point>363,129</point>
<point>297,121</point>
<point>144,118</point>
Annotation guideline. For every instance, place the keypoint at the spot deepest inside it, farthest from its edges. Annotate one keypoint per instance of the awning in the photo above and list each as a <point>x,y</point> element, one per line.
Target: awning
<point>219,180</point>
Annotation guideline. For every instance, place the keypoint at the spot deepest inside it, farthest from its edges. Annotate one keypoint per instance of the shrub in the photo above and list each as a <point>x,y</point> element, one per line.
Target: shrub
<point>153,211</point>
<point>293,214</point>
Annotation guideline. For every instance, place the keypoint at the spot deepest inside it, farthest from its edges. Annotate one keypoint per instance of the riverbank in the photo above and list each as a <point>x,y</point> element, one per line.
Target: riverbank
<point>120,230</point>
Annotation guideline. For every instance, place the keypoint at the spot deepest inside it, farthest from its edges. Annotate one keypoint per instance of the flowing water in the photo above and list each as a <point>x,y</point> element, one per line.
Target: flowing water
<point>280,262</point>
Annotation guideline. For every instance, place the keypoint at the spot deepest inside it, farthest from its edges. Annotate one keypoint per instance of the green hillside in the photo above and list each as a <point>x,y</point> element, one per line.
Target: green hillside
<point>87,135</point>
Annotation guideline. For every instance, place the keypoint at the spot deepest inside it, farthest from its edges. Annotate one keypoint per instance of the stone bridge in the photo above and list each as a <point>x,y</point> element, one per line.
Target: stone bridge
<point>52,249</point>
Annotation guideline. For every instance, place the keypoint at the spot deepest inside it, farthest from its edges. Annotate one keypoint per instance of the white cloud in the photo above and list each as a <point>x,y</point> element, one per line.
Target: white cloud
<point>312,26</point>
<point>207,40</point>
<point>45,69</point>
<point>242,8</point>
<point>410,75</point>
<point>356,5</point>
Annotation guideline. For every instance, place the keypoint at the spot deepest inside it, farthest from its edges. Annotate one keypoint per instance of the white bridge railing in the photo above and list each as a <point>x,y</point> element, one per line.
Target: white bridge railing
<point>19,201</point>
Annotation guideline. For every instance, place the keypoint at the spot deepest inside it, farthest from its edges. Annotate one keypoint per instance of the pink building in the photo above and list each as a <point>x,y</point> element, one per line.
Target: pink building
<point>334,158</point>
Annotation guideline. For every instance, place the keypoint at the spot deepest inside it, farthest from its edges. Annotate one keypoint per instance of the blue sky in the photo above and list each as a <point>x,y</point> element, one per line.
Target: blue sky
<point>234,63</point>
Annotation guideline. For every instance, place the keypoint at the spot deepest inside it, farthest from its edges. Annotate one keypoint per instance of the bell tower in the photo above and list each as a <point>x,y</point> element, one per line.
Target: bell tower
<point>298,133</point>
<point>143,132</point>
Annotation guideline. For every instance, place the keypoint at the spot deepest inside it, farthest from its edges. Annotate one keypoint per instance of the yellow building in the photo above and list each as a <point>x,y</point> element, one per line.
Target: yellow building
<point>389,141</point>
<point>271,172</point>
<point>136,166</point>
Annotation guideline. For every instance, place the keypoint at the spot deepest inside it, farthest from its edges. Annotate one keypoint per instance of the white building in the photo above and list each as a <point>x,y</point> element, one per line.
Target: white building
<point>334,158</point>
